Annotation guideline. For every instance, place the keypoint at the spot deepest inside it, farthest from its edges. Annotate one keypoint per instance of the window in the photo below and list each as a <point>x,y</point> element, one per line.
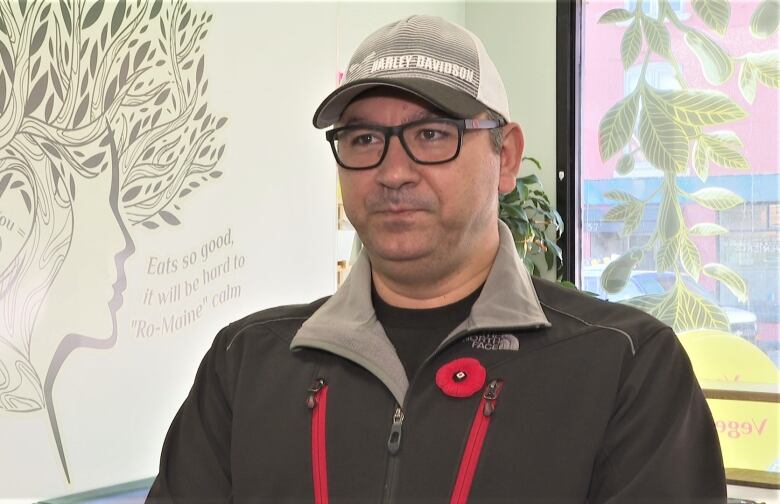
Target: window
<point>679,178</point>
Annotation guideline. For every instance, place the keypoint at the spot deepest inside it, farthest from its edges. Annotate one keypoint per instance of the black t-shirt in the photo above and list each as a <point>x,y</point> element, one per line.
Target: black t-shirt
<point>416,333</point>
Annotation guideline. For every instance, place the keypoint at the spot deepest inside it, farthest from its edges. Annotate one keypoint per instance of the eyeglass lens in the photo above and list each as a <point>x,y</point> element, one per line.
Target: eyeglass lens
<point>427,142</point>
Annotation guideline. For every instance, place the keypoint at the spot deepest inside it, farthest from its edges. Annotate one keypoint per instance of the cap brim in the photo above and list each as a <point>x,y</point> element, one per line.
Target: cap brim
<point>457,103</point>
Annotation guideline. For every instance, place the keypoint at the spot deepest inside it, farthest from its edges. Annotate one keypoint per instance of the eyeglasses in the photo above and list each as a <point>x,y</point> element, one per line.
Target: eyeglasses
<point>428,141</point>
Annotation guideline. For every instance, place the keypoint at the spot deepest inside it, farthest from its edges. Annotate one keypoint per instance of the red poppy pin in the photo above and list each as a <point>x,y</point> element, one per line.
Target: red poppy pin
<point>461,378</point>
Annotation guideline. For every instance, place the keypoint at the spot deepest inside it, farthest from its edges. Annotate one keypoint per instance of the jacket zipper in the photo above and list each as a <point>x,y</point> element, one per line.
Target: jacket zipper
<point>316,401</point>
<point>479,428</point>
<point>393,446</point>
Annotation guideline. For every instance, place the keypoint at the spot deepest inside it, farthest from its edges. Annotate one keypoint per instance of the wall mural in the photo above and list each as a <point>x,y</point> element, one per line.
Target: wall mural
<point>104,129</point>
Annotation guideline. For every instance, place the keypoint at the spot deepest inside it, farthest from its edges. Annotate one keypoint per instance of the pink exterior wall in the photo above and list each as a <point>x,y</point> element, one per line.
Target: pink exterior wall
<point>602,77</point>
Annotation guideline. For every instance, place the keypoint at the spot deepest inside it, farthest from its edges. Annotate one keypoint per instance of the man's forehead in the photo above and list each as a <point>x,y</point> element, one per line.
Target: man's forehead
<point>401,97</point>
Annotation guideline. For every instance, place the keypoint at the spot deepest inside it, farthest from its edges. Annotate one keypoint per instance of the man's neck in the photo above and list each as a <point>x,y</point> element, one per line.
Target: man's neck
<point>431,290</point>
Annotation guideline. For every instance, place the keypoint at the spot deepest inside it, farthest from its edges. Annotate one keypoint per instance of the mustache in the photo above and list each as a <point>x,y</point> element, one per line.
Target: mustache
<point>387,199</point>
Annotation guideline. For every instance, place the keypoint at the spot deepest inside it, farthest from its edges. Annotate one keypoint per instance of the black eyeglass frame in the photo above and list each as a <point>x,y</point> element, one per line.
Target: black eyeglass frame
<point>463,126</point>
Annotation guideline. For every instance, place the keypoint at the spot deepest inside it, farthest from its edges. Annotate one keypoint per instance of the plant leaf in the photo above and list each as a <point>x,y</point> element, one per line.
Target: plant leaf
<point>722,154</point>
<point>699,107</point>
<point>625,165</point>
<point>690,256</point>
<point>708,229</point>
<point>631,44</point>
<point>657,37</point>
<point>715,63</point>
<point>717,198</point>
<point>615,16</point>
<point>663,141</point>
<point>729,278</point>
<point>764,21</point>
<point>37,94</point>
<point>617,125</point>
<point>714,13</point>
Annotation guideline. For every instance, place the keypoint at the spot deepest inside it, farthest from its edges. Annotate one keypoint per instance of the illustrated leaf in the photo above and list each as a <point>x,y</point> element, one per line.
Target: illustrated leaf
<point>663,141</point>
<point>717,198</point>
<point>618,213</point>
<point>65,16</point>
<point>728,138</point>
<point>699,107</point>
<point>633,219</point>
<point>701,165</point>
<point>131,193</point>
<point>714,13</point>
<point>119,15</point>
<point>625,165</point>
<point>715,63</point>
<point>169,218</point>
<point>747,82</point>
<point>37,94</point>
<point>38,38</point>
<point>155,9</point>
<point>708,229</point>
<point>684,311</point>
<point>150,224</point>
<point>764,21</point>
<point>81,112</point>
<point>646,303</point>
<point>92,14</point>
<point>141,54</point>
<point>615,16</point>
<point>657,37</point>
<point>729,278</point>
<point>668,216</point>
<point>690,256</point>
<point>631,44</point>
<point>618,195</point>
<point>666,254</point>
<point>4,182</point>
<point>767,67</point>
<point>617,125</point>
<point>27,200</point>
<point>3,27</point>
<point>722,154</point>
<point>615,275</point>
<point>8,62</point>
<point>95,160</point>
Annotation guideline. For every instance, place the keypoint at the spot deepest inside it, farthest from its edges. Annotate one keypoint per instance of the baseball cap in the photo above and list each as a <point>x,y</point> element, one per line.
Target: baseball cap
<point>439,61</point>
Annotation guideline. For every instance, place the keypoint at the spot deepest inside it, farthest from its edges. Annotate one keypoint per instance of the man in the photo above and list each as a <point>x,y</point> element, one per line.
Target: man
<point>440,371</point>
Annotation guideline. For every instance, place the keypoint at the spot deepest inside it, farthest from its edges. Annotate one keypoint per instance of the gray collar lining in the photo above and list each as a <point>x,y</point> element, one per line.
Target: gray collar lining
<point>346,324</point>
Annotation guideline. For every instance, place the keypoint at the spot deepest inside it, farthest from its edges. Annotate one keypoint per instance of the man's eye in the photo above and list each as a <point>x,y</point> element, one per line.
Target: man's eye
<point>430,135</point>
<point>364,139</point>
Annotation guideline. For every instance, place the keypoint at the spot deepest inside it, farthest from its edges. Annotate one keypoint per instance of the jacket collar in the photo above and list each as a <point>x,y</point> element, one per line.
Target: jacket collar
<point>346,324</point>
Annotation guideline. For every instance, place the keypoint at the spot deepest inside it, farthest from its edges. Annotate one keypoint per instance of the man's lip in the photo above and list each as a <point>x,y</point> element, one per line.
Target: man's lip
<point>398,210</point>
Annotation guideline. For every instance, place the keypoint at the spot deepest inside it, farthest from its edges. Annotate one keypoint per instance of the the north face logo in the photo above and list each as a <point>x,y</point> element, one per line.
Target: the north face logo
<point>494,342</point>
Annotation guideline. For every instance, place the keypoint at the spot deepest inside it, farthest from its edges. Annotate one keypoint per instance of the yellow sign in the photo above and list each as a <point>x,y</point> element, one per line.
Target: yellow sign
<point>748,431</point>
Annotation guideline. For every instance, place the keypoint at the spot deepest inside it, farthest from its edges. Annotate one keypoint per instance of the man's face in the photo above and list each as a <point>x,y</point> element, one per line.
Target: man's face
<point>405,211</point>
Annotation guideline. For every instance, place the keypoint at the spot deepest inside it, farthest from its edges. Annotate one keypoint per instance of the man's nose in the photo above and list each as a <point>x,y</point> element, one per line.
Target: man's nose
<point>397,169</point>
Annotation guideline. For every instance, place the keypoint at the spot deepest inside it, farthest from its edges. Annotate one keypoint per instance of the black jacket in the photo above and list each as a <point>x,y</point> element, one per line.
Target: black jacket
<point>583,401</point>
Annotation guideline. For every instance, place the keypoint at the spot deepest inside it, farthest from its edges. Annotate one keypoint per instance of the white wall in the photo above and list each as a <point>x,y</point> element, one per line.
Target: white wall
<point>519,35</point>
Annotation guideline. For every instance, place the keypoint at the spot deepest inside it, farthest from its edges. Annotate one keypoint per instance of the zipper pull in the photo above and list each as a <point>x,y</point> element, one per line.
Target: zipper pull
<point>394,441</point>
<point>490,396</point>
<point>311,398</point>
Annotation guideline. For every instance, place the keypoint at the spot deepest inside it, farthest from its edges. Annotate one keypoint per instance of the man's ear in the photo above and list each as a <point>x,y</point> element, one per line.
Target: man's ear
<point>511,156</point>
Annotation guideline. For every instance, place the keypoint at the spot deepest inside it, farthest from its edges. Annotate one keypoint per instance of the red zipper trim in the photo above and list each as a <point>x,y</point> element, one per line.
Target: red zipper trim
<point>317,402</point>
<point>479,428</point>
